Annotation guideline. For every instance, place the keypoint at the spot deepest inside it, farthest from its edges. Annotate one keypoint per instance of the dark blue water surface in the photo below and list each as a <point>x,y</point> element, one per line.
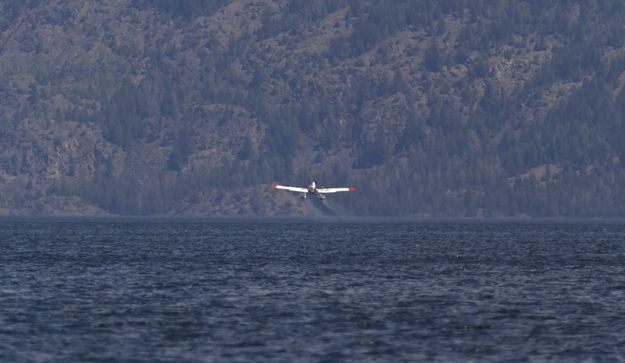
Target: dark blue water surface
<point>238,291</point>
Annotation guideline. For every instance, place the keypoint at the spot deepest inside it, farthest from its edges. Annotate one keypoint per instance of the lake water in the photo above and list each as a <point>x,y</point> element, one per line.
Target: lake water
<point>135,290</point>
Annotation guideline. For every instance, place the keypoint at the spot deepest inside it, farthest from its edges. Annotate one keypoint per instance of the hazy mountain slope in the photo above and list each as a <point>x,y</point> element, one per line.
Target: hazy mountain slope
<point>431,108</point>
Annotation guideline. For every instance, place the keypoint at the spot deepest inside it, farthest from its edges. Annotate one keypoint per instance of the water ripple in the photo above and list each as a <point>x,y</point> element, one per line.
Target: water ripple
<point>204,291</point>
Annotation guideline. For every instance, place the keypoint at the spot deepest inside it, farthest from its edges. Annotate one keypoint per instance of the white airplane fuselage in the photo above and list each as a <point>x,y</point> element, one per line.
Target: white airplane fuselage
<point>312,190</point>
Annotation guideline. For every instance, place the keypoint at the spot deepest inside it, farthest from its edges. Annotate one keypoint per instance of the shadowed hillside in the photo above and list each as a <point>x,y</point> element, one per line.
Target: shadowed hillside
<point>431,108</point>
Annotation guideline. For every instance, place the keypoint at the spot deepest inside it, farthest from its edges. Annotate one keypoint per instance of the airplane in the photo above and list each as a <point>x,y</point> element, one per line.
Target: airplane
<point>313,190</point>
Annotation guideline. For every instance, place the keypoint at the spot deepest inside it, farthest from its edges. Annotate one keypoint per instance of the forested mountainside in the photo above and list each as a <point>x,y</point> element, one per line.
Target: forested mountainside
<point>429,107</point>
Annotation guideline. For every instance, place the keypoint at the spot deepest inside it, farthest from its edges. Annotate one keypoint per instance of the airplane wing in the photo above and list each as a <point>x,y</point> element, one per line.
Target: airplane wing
<point>293,189</point>
<point>335,190</point>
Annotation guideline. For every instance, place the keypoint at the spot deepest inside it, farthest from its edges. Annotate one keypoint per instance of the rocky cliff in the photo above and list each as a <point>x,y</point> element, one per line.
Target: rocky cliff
<point>432,108</point>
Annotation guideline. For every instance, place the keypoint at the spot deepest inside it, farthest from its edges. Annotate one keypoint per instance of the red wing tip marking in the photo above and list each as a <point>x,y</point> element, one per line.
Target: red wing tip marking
<point>352,189</point>
<point>274,186</point>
